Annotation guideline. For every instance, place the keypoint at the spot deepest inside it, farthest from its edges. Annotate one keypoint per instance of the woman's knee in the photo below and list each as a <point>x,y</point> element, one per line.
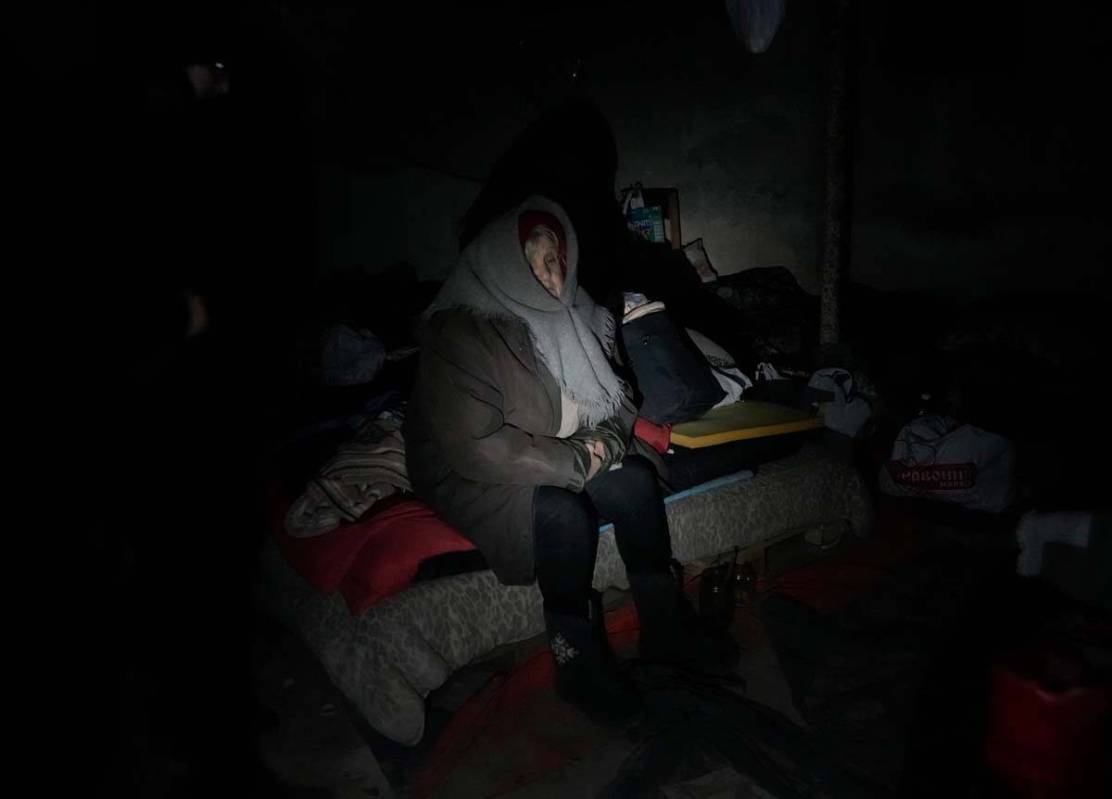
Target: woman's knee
<point>640,475</point>
<point>563,516</point>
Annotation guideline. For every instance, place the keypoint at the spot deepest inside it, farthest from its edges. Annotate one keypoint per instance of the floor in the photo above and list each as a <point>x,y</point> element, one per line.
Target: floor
<point>912,615</point>
<point>314,748</point>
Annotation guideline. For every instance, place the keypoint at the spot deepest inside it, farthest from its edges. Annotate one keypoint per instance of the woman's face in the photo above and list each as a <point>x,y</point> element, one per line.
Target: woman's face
<point>545,263</point>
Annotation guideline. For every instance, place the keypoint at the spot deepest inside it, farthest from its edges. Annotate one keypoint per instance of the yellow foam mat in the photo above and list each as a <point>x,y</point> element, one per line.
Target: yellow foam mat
<point>742,420</point>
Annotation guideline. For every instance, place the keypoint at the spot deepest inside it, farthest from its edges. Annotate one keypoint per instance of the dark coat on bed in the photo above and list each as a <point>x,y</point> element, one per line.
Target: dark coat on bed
<point>481,435</point>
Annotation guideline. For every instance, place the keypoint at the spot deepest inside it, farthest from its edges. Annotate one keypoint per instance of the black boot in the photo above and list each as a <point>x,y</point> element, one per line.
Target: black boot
<point>585,673</point>
<point>670,632</point>
<point>598,624</point>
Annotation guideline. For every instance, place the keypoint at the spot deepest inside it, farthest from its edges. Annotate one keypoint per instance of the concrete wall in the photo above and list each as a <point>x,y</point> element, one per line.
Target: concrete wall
<point>736,134</point>
<point>961,185</point>
<point>371,220</point>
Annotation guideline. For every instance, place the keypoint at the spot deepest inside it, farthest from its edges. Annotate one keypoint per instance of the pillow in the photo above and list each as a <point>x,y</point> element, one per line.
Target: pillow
<point>324,560</point>
<point>697,256</point>
<point>732,380</point>
<point>396,541</point>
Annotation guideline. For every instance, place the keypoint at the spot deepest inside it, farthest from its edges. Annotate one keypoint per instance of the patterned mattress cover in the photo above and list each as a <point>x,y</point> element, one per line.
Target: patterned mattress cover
<point>388,660</point>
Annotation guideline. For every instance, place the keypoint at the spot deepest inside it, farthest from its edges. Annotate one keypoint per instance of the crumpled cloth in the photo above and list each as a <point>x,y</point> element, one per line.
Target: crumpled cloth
<point>366,469</point>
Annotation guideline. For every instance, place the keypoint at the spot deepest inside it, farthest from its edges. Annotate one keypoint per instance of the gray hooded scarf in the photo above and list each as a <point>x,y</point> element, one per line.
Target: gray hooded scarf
<point>571,334</point>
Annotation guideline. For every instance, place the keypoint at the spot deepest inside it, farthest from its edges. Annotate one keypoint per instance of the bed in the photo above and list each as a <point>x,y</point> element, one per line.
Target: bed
<point>387,659</point>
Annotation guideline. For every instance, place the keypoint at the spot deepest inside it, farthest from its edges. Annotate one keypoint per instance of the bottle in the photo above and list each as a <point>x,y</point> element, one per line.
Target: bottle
<point>745,582</point>
<point>718,595</point>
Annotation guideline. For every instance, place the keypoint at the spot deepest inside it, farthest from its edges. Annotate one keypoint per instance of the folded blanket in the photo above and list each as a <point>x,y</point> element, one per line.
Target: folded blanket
<point>363,471</point>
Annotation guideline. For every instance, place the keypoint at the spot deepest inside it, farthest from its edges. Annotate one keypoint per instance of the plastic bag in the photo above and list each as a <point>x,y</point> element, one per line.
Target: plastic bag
<point>935,457</point>
<point>645,220</point>
<point>851,407</point>
<point>756,21</point>
<point>731,379</point>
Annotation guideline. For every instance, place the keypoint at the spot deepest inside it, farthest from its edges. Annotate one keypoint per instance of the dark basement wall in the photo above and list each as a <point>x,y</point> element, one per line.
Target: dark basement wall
<point>960,186</point>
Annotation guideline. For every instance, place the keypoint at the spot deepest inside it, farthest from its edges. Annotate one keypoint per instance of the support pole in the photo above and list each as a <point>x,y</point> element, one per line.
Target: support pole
<point>837,186</point>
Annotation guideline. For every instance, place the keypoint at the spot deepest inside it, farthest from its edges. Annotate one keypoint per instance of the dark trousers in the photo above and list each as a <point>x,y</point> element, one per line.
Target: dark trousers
<point>565,528</point>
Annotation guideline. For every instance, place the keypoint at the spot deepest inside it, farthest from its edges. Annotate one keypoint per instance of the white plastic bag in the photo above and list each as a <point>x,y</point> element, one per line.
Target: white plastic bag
<point>766,371</point>
<point>632,198</point>
<point>935,457</point>
<point>850,409</point>
<point>756,21</point>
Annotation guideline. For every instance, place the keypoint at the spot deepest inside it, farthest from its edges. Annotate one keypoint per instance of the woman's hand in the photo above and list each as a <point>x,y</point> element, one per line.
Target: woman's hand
<point>597,453</point>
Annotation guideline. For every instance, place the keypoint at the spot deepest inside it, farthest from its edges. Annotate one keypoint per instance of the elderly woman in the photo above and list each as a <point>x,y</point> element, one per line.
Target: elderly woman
<point>518,433</point>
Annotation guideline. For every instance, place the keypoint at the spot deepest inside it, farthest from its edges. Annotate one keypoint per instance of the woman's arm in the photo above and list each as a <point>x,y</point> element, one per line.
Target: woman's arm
<point>614,433</point>
<point>468,423</point>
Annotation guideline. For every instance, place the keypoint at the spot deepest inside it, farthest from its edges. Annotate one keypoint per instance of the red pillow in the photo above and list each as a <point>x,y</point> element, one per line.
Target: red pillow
<point>396,540</point>
<point>323,560</point>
